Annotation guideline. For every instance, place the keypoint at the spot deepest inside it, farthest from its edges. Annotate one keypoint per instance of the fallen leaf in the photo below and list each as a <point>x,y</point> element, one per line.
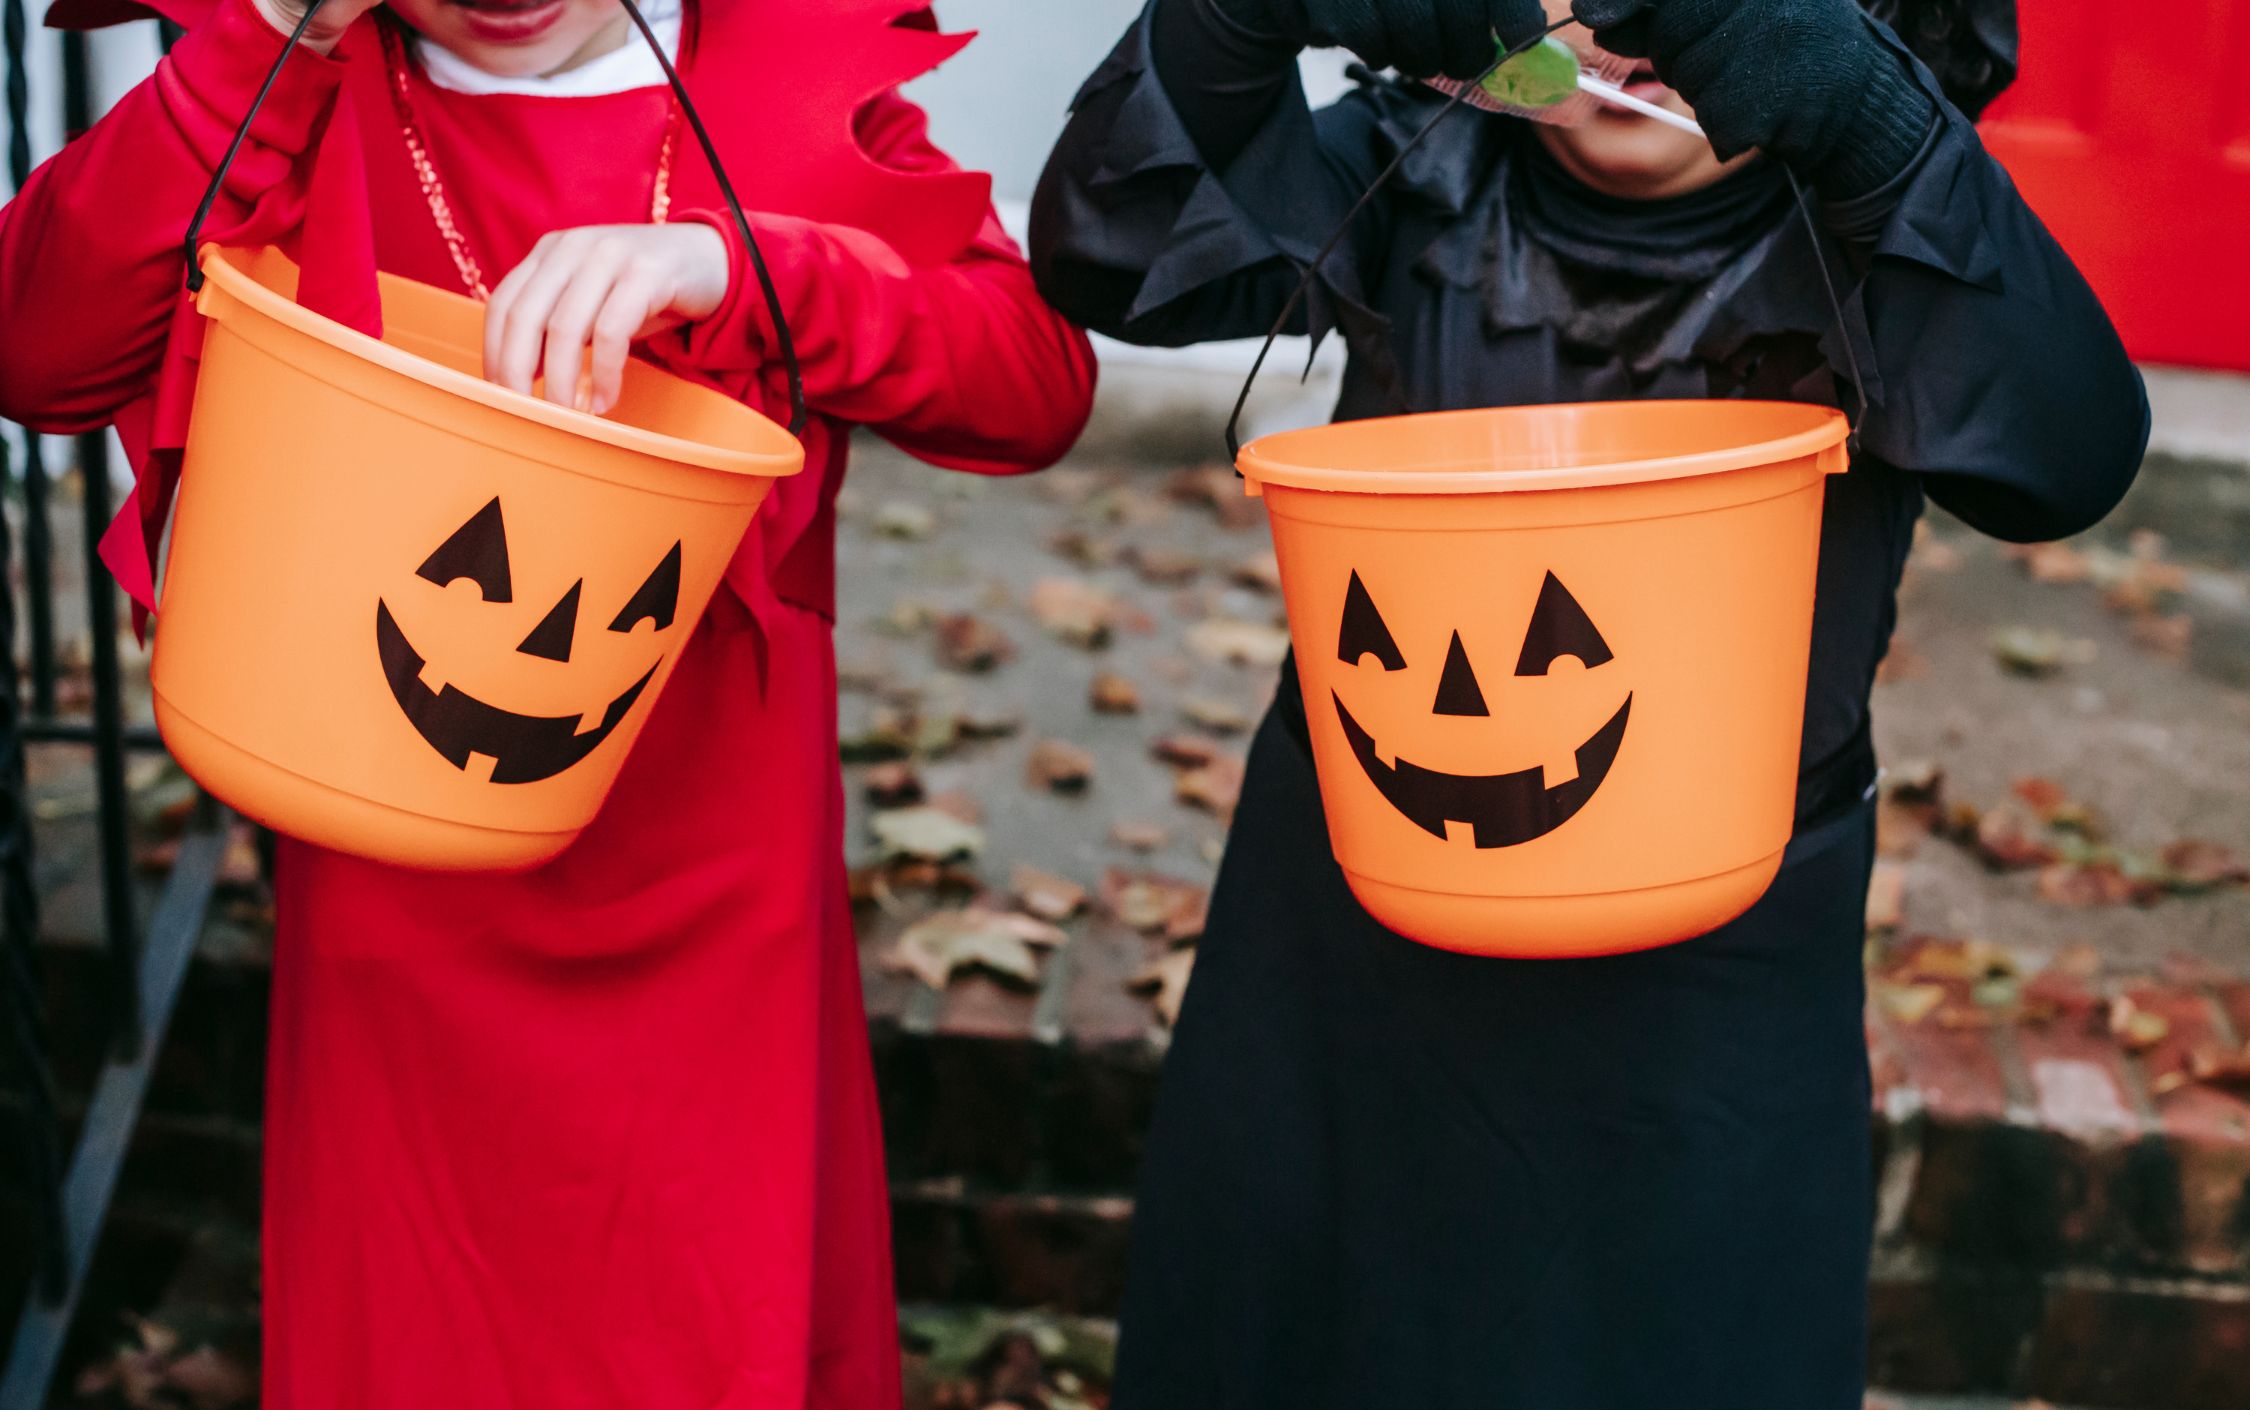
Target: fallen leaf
<point>212,1380</point>
<point>1237,642</point>
<point>1930,957</point>
<point>928,833</point>
<point>988,724</point>
<point>956,804</point>
<point>2135,1027</point>
<point>2038,651</point>
<point>902,519</point>
<point>2168,637</point>
<point>1046,895</point>
<point>2079,961</point>
<point>1260,572</point>
<point>1215,788</point>
<point>2005,840</point>
<point>2055,563</point>
<point>2204,864</point>
<point>1074,611</point>
<point>1908,1003</point>
<point>907,617</point>
<point>892,785</point>
<point>1217,488</point>
<point>1185,751</point>
<point>1084,549</point>
<point>1059,767</point>
<point>1886,897</point>
<point>1139,836</point>
<point>1217,716</point>
<point>2095,884</point>
<point>2055,807</point>
<point>1147,901</point>
<point>2218,1067</point>
<point>1164,567</point>
<point>2057,995</point>
<point>969,643</point>
<point>937,947</point>
<point>1902,661</point>
<point>1112,694</point>
<point>1167,980</point>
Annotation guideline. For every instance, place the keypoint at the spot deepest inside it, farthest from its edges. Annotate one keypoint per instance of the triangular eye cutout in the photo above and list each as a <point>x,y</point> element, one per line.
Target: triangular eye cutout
<point>1364,632</point>
<point>1559,627</point>
<point>477,551</point>
<point>551,638</point>
<point>1457,692</point>
<point>658,598</point>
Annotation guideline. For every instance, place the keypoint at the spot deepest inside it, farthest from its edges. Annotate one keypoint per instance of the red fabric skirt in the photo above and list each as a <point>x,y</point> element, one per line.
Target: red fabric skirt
<point>602,1134</point>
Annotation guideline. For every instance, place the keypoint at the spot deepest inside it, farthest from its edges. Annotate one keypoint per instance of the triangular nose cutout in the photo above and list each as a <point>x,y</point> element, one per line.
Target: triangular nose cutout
<point>551,638</point>
<point>1457,692</point>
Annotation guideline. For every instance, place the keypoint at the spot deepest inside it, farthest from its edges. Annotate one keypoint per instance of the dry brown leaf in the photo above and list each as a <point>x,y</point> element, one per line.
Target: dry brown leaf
<point>1059,767</point>
<point>927,833</point>
<point>2202,864</point>
<point>1139,836</point>
<point>1886,897</point>
<point>2220,1067</point>
<point>1112,694</point>
<point>2079,961</point>
<point>1240,643</point>
<point>2006,842</point>
<point>2054,563</point>
<point>1149,902</point>
<point>1217,488</point>
<point>1185,751</point>
<point>2165,636</point>
<point>1074,611</point>
<point>1084,549</point>
<point>1260,572</point>
<point>1217,716</point>
<point>1902,661</point>
<point>987,724</point>
<point>1164,567</point>
<point>1045,895</point>
<point>2135,1027</point>
<point>1969,961</point>
<point>1167,980</point>
<point>892,785</point>
<point>1215,788</point>
<point>2091,884</point>
<point>969,643</point>
<point>1908,1003</point>
<point>937,947</point>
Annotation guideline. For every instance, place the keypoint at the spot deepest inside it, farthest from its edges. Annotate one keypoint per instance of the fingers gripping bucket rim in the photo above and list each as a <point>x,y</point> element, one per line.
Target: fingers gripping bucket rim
<point>415,616</point>
<point>1554,659</point>
<point>266,693</point>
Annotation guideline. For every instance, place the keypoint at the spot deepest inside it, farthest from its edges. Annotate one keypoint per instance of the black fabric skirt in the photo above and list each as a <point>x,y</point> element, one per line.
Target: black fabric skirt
<point>1383,1175</point>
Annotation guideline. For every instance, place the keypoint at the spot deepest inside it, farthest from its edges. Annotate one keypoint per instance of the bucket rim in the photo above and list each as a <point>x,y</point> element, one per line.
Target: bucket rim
<point>219,269</point>
<point>1277,459</point>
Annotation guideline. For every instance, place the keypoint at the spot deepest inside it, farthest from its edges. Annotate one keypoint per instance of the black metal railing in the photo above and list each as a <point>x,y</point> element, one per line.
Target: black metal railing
<point>144,967</point>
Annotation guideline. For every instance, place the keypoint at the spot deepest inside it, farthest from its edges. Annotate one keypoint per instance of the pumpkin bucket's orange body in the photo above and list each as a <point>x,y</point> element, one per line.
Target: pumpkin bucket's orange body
<point>411,615</point>
<point>1554,659</point>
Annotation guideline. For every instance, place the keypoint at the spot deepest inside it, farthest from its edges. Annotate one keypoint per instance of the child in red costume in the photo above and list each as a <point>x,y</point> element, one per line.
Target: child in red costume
<point>602,1134</point>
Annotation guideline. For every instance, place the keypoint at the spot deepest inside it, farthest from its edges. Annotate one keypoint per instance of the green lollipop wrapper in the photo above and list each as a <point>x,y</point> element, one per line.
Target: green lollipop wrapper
<point>1540,77</point>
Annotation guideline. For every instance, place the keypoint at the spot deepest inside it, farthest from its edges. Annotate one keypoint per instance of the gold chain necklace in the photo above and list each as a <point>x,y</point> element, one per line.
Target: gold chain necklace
<point>433,190</point>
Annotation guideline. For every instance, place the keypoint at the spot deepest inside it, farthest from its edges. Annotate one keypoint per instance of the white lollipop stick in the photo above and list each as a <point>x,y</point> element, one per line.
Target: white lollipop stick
<point>1612,94</point>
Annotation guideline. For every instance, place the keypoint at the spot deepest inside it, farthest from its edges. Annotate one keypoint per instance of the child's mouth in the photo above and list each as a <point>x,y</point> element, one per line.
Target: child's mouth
<point>1643,83</point>
<point>509,21</point>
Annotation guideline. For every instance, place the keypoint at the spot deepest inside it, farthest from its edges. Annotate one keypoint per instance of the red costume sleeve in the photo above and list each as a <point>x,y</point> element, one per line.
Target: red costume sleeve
<point>90,249</point>
<point>962,365</point>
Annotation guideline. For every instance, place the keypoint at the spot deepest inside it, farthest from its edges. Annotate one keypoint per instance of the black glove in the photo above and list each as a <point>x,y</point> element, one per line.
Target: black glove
<point>1419,38</point>
<point>1803,80</point>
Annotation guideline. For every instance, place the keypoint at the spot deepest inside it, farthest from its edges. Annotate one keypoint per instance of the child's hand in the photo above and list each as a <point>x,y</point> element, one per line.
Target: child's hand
<point>327,27</point>
<point>602,287</point>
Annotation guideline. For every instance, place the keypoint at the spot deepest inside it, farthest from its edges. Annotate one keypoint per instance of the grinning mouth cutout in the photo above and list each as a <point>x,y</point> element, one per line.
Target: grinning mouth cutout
<point>523,748</point>
<point>1503,810</point>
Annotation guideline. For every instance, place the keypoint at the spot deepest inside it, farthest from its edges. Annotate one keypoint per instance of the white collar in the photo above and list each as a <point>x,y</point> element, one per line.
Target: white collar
<point>630,65</point>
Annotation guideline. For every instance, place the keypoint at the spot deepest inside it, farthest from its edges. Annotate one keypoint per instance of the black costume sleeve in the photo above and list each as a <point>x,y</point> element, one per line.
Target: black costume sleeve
<point>1989,367</point>
<point>1138,235</point>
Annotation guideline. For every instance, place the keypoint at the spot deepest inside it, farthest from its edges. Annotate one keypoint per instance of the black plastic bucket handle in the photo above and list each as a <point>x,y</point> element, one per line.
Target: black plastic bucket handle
<point>784,343</point>
<point>1382,178</point>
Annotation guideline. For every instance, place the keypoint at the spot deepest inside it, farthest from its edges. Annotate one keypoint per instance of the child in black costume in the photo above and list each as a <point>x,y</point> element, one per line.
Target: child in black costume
<point>1382,1175</point>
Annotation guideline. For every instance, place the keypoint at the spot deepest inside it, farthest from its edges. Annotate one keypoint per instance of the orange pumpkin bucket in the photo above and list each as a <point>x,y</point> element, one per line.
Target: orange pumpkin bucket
<point>415,616</point>
<point>1554,659</point>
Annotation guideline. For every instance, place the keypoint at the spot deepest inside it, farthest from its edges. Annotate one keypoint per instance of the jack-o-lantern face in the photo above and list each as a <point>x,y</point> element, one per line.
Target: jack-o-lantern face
<point>1504,809</point>
<point>524,748</point>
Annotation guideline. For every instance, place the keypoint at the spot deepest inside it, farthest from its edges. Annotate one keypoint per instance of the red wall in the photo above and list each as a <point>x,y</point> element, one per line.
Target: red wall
<point>2129,133</point>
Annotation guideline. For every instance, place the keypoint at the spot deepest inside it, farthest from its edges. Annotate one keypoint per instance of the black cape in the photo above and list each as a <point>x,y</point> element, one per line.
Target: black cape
<point>1383,1175</point>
